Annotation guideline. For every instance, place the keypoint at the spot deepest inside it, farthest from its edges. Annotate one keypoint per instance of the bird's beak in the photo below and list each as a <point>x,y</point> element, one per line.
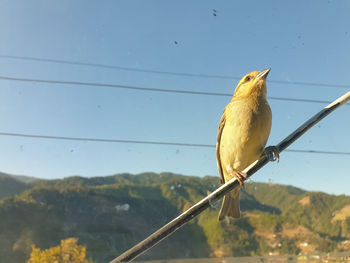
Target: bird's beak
<point>263,74</point>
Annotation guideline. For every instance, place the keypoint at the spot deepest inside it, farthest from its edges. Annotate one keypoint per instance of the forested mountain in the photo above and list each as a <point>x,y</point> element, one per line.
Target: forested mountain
<point>110,214</point>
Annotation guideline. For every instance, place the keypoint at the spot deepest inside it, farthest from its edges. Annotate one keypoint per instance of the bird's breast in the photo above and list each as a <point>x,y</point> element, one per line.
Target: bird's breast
<point>245,133</point>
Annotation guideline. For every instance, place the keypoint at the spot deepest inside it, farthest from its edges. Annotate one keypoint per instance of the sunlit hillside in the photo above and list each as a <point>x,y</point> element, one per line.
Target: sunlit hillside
<point>110,214</point>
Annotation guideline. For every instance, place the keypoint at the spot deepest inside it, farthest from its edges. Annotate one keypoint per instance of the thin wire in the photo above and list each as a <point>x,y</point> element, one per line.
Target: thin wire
<point>59,61</point>
<point>321,152</point>
<point>118,86</point>
<point>146,142</point>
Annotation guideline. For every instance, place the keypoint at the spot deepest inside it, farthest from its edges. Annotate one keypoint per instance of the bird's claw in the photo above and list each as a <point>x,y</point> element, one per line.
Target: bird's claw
<point>272,153</point>
<point>240,177</point>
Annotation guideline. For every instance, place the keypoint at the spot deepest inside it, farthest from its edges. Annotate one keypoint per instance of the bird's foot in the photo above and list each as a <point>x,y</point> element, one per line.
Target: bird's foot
<point>240,177</point>
<point>272,153</point>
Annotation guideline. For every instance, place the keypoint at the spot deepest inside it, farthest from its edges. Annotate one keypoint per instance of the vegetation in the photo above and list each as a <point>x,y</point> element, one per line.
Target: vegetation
<point>67,252</point>
<point>110,214</point>
<point>10,185</point>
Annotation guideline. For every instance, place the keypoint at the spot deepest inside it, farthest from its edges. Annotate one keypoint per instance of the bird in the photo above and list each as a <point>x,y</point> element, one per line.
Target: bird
<point>243,132</point>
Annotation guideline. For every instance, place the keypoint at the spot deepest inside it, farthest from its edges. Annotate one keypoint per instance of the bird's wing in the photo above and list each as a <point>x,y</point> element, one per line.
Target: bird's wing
<point>218,160</point>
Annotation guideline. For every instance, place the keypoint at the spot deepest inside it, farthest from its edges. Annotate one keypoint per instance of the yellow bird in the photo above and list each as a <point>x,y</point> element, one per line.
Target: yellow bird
<point>243,132</point>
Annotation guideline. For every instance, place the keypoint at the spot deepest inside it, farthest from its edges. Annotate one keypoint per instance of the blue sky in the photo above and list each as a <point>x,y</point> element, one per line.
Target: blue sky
<point>304,41</point>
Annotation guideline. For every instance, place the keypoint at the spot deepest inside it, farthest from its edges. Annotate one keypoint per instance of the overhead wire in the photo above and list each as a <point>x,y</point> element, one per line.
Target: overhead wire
<point>119,86</point>
<point>97,65</point>
<point>36,136</point>
<point>93,84</point>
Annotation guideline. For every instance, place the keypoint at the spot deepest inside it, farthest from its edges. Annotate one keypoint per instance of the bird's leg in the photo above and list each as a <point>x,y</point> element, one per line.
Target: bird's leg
<point>240,177</point>
<point>272,153</point>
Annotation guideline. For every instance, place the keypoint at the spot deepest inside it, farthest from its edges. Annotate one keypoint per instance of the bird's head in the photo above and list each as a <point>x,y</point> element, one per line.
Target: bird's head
<point>252,84</point>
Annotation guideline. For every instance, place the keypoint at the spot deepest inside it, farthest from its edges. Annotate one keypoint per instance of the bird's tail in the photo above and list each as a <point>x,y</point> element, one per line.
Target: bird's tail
<point>230,205</point>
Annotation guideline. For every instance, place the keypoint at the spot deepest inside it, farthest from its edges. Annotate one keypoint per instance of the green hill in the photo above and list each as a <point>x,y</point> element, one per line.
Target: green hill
<point>110,214</point>
<point>10,185</point>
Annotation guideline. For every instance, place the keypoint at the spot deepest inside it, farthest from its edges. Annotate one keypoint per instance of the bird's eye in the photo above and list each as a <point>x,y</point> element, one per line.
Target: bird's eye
<point>247,78</point>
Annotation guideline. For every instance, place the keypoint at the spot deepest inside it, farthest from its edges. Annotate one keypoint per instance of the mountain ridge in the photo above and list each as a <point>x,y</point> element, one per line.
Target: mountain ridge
<point>110,214</point>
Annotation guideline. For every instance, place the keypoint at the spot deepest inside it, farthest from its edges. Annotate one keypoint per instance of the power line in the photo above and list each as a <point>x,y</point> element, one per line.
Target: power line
<point>92,84</point>
<point>321,152</point>
<point>145,142</point>
<point>103,140</point>
<point>97,65</point>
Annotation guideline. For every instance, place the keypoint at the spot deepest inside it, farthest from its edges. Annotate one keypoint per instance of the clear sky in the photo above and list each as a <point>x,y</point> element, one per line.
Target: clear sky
<point>302,41</point>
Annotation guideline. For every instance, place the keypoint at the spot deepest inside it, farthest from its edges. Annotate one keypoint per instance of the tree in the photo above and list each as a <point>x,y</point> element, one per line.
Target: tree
<point>67,252</point>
